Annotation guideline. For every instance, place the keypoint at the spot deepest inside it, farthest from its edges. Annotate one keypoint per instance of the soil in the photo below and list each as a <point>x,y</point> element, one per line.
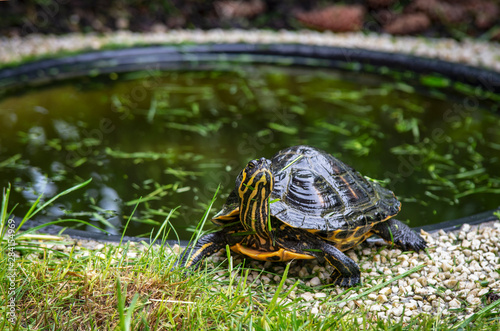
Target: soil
<point>433,18</point>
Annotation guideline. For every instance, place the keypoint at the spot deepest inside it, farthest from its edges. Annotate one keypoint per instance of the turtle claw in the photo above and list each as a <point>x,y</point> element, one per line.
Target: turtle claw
<point>336,278</point>
<point>409,240</point>
<point>415,243</point>
<point>393,231</point>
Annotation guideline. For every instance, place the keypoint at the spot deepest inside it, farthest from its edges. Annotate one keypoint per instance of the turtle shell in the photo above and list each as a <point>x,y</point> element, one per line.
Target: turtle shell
<point>315,191</point>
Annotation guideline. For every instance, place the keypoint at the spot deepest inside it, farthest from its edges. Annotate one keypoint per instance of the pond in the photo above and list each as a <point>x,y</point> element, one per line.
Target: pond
<point>171,138</point>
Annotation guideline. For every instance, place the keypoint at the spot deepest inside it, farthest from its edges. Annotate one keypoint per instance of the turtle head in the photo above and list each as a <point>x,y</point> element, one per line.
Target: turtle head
<point>256,177</point>
<point>256,185</point>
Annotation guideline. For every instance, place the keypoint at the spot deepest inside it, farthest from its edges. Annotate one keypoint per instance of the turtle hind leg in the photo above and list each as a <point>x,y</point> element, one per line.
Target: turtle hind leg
<point>400,234</point>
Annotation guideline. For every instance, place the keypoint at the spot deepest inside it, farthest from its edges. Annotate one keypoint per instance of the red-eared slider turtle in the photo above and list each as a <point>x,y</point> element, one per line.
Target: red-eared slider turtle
<point>304,204</point>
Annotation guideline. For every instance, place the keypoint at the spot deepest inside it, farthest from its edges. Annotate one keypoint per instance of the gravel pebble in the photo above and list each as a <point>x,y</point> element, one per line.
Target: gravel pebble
<point>445,266</point>
<point>315,281</point>
<point>382,298</point>
<point>398,311</point>
<point>450,283</point>
<point>454,303</point>
<point>308,296</point>
<point>320,295</point>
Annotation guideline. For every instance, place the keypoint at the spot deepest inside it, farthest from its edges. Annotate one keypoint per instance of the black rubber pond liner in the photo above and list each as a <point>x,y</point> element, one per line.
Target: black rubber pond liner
<point>197,56</point>
<point>453,225</point>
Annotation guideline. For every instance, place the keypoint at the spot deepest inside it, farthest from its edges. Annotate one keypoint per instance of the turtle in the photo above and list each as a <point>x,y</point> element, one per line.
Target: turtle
<point>304,203</point>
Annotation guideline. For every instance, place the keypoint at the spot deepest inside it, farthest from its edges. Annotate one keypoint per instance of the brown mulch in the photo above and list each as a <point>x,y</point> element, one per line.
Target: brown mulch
<point>433,18</point>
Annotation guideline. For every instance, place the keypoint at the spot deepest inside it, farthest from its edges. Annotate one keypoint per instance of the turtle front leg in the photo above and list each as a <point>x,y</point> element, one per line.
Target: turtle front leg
<point>346,272</point>
<point>400,234</point>
<point>206,246</point>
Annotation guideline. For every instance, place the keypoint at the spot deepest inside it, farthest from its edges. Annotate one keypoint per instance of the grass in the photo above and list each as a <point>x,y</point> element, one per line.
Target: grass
<point>127,286</point>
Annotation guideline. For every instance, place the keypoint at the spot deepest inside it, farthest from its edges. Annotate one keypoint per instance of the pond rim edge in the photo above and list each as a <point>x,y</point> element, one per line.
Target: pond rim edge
<point>168,57</point>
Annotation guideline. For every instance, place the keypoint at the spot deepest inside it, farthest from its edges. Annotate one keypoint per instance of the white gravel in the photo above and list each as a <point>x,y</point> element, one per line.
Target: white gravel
<point>476,53</point>
<point>458,274</point>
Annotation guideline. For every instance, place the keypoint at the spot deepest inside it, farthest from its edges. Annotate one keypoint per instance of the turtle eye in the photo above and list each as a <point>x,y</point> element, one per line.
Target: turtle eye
<point>252,164</point>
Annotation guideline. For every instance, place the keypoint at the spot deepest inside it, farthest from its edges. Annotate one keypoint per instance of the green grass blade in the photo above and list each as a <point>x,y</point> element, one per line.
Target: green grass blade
<point>477,315</point>
<point>32,213</point>
<point>165,223</point>
<point>198,231</point>
<point>120,298</point>
<point>162,227</point>
<point>276,295</point>
<point>128,221</point>
<point>3,212</point>
<point>293,161</point>
<point>130,311</point>
<point>36,228</point>
<point>125,318</point>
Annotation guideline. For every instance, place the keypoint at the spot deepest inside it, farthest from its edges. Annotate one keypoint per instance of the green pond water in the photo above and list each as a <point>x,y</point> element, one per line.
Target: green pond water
<point>172,138</point>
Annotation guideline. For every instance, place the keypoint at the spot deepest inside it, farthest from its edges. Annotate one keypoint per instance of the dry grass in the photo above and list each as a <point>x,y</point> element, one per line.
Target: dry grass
<point>80,290</point>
